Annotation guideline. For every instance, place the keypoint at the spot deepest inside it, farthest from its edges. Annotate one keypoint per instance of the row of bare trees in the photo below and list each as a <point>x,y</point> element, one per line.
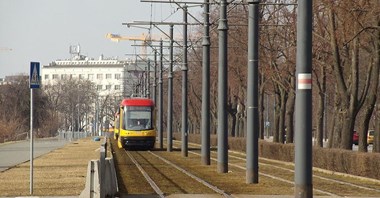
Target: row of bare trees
<point>346,63</point>
<point>15,110</point>
<point>79,106</point>
<point>68,104</point>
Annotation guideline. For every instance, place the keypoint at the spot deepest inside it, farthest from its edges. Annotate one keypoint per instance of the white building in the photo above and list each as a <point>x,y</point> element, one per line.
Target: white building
<point>119,78</point>
<point>111,76</point>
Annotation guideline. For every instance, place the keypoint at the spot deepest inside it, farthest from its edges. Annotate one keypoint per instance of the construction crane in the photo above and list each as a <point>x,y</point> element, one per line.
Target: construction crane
<point>5,49</point>
<point>146,40</point>
<point>117,37</point>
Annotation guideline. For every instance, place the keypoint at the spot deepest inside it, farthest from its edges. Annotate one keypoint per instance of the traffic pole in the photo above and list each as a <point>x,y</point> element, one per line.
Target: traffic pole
<point>31,142</point>
<point>34,83</point>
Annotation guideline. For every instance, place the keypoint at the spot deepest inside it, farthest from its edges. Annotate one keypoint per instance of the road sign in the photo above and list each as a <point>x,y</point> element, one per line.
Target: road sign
<point>34,77</point>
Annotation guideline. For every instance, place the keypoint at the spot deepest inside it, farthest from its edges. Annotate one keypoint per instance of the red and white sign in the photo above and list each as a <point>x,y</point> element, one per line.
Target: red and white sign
<point>304,81</point>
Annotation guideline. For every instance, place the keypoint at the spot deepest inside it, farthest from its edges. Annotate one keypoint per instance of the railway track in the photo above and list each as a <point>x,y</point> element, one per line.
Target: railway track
<point>162,176</point>
<point>174,174</point>
<point>324,183</point>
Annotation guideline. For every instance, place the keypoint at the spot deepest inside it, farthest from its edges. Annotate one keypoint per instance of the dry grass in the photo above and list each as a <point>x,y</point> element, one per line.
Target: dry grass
<point>60,173</point>
<point>233,182</point>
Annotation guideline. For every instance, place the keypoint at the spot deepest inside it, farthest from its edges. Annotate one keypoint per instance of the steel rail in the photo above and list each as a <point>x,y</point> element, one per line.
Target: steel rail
<point>200,180</point>
<point>147,177</point>
<point>317,170</point>
<point>316,176</point>
<point>290,170</point>
<point>271,176</point>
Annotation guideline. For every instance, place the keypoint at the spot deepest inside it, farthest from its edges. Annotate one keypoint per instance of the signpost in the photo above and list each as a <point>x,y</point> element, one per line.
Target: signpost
<point>34,82</point>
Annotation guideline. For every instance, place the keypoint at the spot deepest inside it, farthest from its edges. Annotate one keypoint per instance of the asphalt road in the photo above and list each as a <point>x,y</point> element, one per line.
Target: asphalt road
<point>15,153</point>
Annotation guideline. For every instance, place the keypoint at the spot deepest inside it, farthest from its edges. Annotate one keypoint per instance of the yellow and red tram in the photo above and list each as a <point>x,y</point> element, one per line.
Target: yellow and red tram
<point>135,123</point>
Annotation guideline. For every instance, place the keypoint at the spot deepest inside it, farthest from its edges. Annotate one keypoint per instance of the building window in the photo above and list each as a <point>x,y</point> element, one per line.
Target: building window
<point>117,76</point>
<point>108,76</point>
<point>117,87</point>
<point>99,76</point>
<point>46,76</point>
<point>91,76</point>
<point>55,76</point>
<point>99,87</point>
<point>108,87</point>
<point>81,76</point>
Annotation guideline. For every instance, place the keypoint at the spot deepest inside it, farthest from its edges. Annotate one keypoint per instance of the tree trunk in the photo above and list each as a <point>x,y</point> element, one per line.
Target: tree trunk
<point>376,138</point>
<point>281,124</point>
<point>321,108</point>
<point>363,144</point>
<point>261,108</point>
<point>348,94</point>
<point>233,126</point>
<point>290,114</point>
<point>232,111</point>
<point>330,138</point>
<point>276,118</point>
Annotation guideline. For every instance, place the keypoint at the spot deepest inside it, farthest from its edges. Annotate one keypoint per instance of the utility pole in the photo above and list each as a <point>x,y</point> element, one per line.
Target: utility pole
<point>148,80</point>
<point>303,113</point>
<point>160,106</point>
<point>205,149</point>
<point>170,96</point>
<point>252,173</point>
<point>155,79</point>
<point>184,87</point>
<point>222,91</point>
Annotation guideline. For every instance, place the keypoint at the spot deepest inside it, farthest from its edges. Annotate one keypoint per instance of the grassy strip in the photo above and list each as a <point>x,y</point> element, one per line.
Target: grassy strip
<point>61,172</point>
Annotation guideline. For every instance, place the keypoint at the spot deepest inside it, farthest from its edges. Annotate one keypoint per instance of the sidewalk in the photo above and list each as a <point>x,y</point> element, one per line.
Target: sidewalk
<point>59,171</point>
<point>15,153</point>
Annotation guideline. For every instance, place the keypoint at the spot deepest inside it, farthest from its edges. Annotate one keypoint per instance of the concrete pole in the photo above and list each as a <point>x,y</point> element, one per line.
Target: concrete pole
<point>145,82</point>
<point>155,79</point>
<point>222,91</point>
<point>160,98</point>
<point>148,80</point>
<point>184,87</point>
<point>205,130</point>
<point>170,95</point>
<point>252,173</point>
<point>303,113</point>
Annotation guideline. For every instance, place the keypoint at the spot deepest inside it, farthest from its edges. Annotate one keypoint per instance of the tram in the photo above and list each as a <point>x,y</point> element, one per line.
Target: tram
<point>135,123</point>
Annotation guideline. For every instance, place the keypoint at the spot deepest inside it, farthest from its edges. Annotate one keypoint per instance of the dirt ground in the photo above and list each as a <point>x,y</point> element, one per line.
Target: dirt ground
<point>61,172</point>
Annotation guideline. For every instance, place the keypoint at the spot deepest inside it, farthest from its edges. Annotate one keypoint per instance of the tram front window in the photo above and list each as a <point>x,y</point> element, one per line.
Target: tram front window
<point>138,118</point>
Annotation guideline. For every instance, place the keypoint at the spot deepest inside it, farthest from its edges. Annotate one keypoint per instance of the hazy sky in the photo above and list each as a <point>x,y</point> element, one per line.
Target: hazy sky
<point>43,30</point>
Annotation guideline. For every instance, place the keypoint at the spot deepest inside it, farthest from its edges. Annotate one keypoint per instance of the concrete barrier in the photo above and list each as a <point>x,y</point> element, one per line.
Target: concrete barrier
<point>101,180</point>
<point>92,187</point>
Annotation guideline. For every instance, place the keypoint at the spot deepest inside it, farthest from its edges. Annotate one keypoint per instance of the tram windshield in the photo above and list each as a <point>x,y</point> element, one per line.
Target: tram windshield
<point>137,118</point>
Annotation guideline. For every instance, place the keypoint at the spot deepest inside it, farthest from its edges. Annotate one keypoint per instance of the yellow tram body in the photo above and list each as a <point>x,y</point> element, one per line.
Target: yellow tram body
<point>135,127</point>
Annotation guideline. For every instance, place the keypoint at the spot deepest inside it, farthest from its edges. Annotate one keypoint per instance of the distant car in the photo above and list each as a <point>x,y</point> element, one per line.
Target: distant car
<point>370,136</point>
<point>355,138</point>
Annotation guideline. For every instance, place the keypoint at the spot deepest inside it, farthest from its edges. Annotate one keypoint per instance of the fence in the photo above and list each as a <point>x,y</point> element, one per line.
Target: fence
<point>72,135</point>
